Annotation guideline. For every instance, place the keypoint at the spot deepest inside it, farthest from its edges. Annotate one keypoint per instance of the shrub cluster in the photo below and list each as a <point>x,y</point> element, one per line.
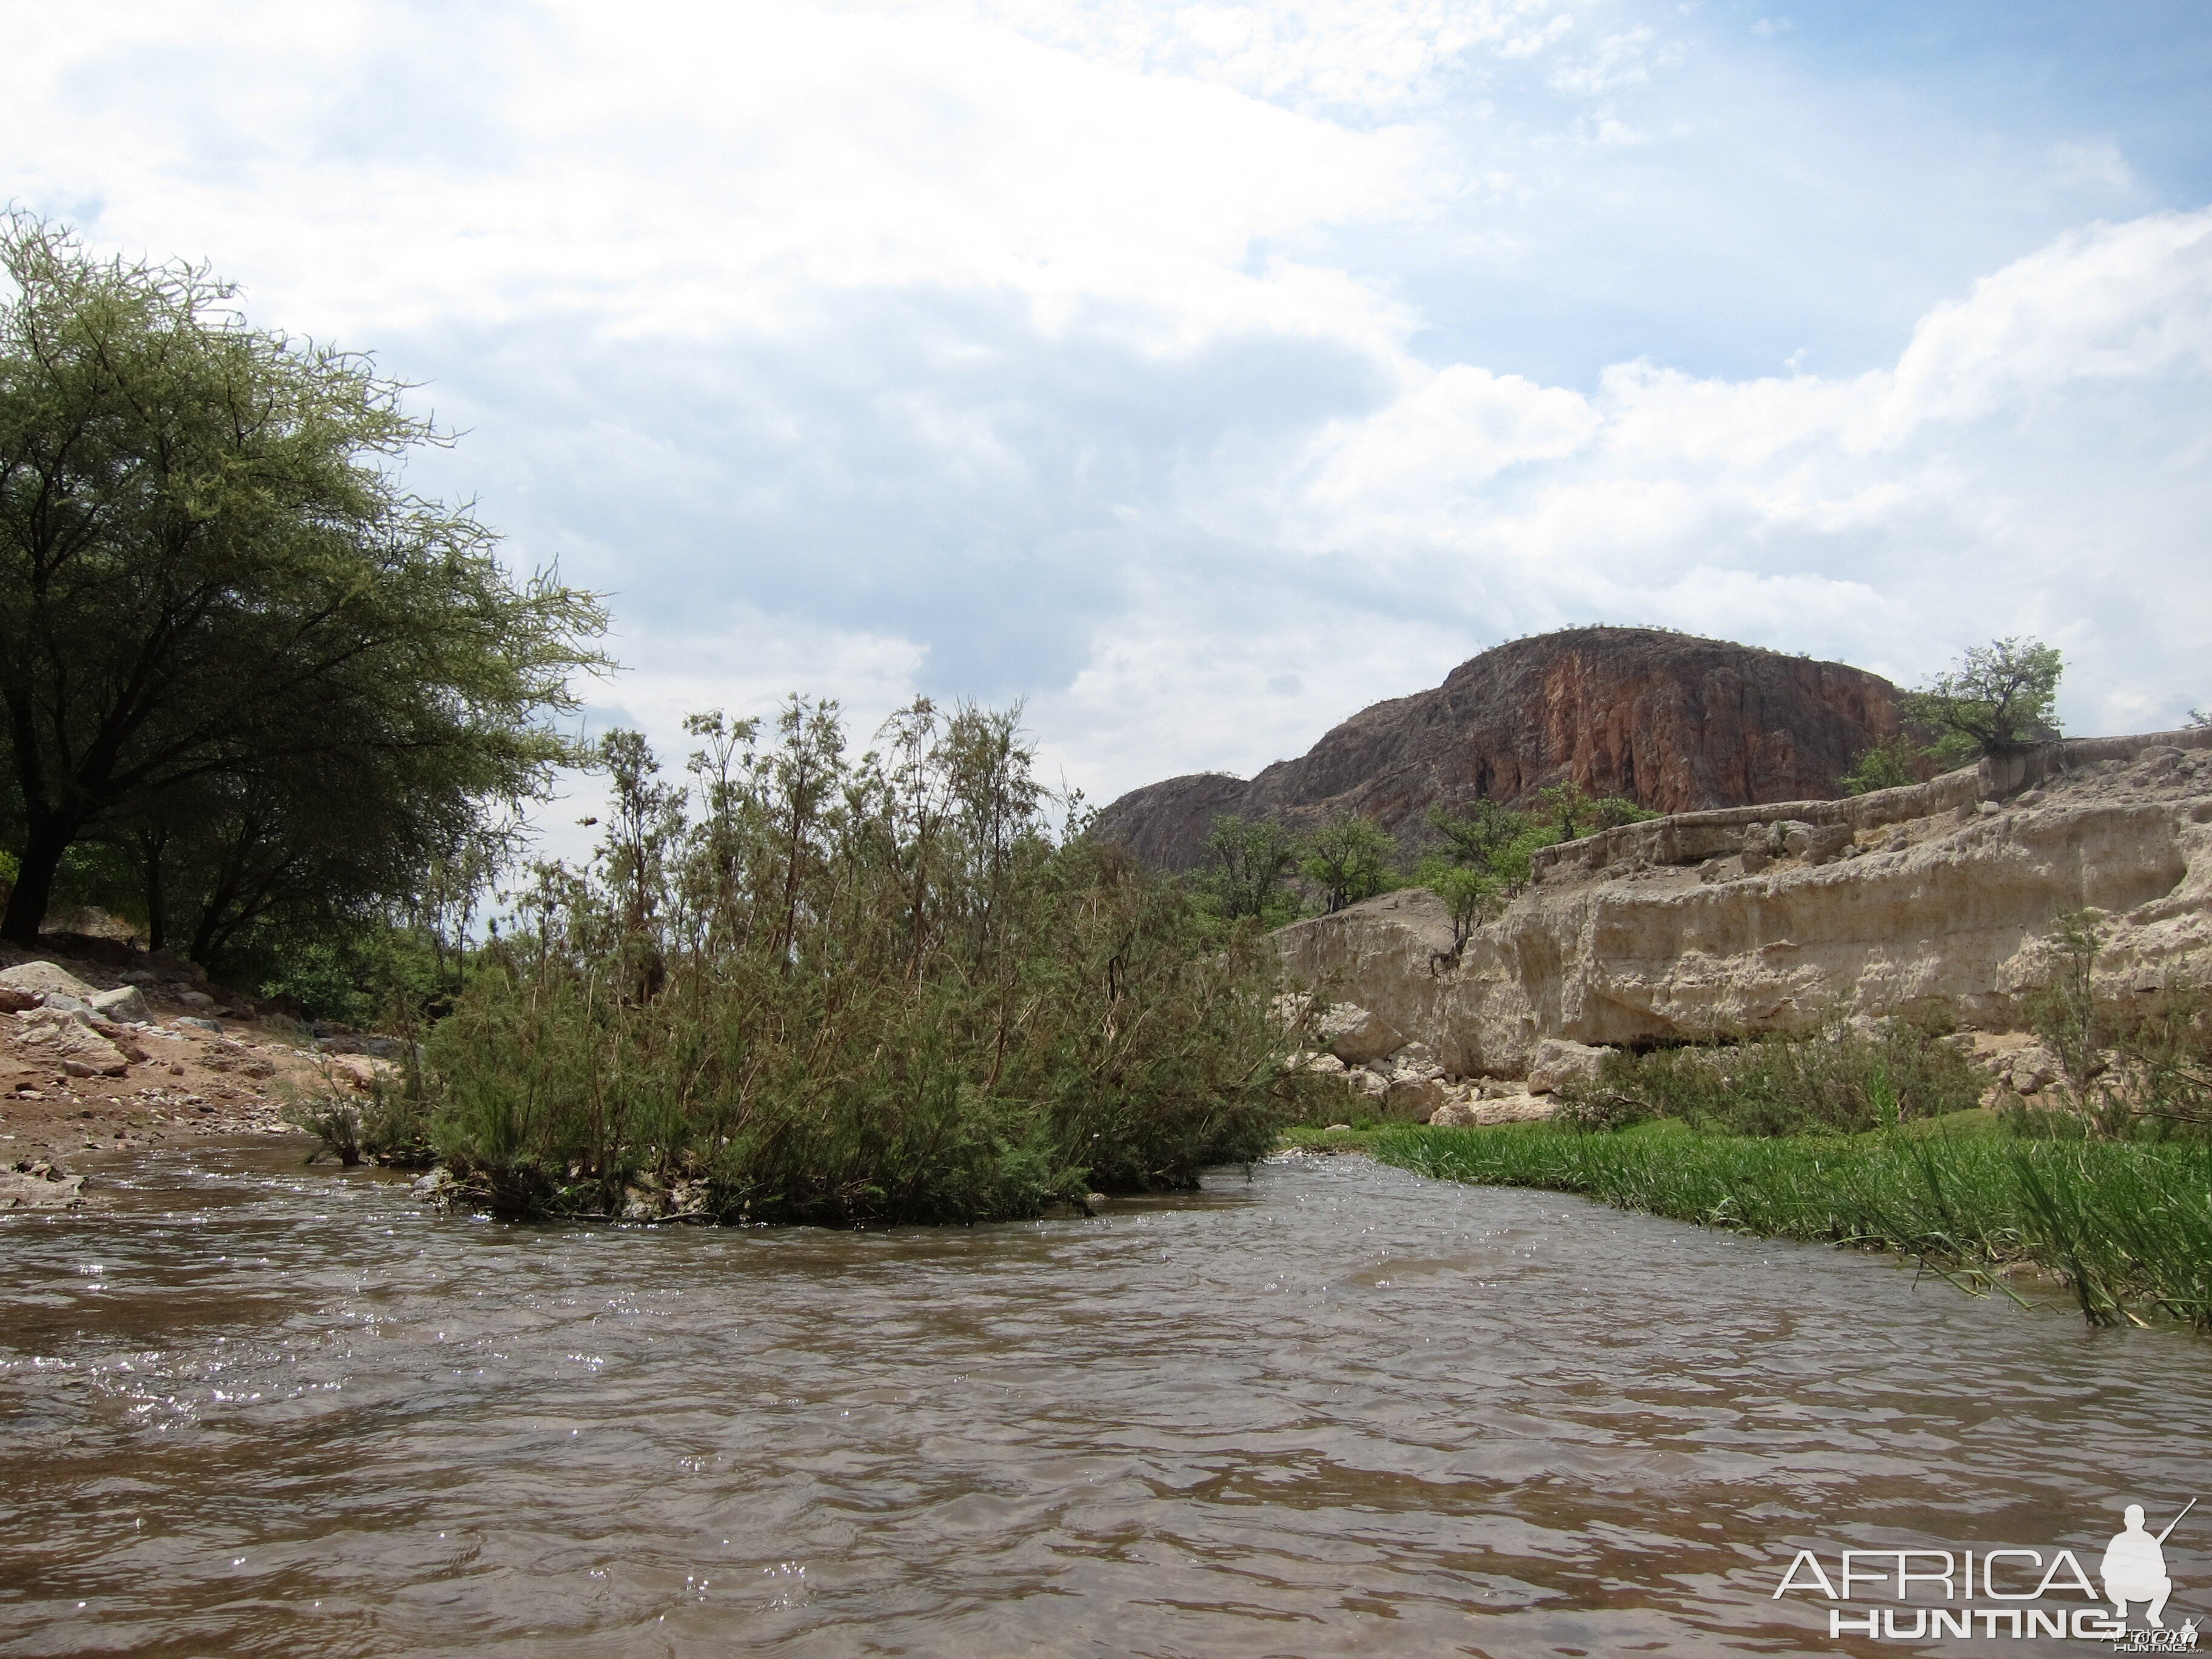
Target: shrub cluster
<point>1844,1081</point>
<point>812,988</point>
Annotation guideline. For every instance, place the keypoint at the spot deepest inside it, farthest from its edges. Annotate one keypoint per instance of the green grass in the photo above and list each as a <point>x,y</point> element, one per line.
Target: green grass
<point>2127,1225</point>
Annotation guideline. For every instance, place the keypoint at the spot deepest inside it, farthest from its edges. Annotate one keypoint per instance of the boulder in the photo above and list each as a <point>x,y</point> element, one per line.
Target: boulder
<point>1816,843</point>
<point>2033,1068</point>
<point>196,1000</point>
<point>1558,1061</point>
<point>1478,1113</point>
<point>40,1187</point>
<point>1414,1063</point>
<point>1327,1064</point>
<point>1416,1097</point>
<point>126,1004</point>
<point>14,1001</point>
<point>43,980</point>
<point>1354,1035</point>
<point>69,1041</point>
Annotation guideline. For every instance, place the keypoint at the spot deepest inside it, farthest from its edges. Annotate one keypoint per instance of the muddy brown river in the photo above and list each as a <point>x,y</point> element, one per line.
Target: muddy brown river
<point>250,1408</point>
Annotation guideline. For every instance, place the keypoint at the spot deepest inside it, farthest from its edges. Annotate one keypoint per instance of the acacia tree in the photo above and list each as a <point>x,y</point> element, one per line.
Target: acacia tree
<point>1251,857</point>
<point>1996,696</point>
<point>211,578</point>
<point>1479,838</point>
<point>1348,859</point>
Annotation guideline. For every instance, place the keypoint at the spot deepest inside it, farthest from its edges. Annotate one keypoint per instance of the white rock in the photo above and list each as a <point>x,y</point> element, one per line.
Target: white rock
<point>69,1041</point>
<point>44,978</point>
<point>1414,1063</point>
<point>2033,1069</point>
<point>1416,1097</point>
<point>1353,1035</point>
<point>125,1004</point>
<point>1505,1109</point>
<point>1953,920</point>
<point>1559,1062</point>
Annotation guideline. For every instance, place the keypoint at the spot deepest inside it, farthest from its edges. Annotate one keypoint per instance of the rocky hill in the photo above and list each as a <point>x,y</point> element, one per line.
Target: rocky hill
<point>1673,722</point>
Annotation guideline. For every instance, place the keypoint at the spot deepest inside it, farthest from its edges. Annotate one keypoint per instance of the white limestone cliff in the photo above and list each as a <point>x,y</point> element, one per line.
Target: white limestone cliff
<point>1780,917</point>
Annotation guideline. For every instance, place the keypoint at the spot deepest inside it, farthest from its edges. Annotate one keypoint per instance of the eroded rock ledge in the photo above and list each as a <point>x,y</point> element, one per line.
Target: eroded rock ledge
<point>1777,918</point>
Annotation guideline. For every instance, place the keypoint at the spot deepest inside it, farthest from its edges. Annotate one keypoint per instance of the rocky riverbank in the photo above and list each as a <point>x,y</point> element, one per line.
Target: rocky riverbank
<point>109,1050</point>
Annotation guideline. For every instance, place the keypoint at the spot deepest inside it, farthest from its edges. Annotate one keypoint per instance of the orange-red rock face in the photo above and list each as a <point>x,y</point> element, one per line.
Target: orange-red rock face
<point>1671,722</point>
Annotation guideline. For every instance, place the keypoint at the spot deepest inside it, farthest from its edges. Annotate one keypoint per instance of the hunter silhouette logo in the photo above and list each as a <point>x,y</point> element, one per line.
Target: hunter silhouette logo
<point>2001,1591</point>
<point>2134,1567</point>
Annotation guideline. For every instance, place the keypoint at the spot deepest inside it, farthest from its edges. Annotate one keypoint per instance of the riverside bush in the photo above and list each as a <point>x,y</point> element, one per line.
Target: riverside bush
<point>817,989</point>
<point>1843,1081</point>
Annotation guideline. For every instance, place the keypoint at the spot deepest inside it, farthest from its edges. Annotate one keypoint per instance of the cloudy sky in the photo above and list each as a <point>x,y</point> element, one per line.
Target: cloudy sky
<point>1200,372</point>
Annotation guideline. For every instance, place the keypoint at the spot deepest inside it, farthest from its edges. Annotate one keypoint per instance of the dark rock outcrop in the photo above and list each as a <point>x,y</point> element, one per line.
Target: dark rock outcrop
<point>1675,723</point>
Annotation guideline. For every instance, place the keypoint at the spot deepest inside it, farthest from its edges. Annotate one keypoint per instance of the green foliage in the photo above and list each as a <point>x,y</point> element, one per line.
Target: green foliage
<point>1842,1082</point>
<point>1493,840</point>
<point>1349,858</point>
<point>1996,696</point>
<point>850,992</point>
<point>2128,1227</point>
<point>1897,760</point>
<point>391,1129</point>
<point>364,973</point>
<point>238,658</point>
<point>2137,1070</point>
<point>1569,809</point>
<point>1480,837</point>
<point>1250,860</point>
<point>1871,1139</point>
<point>1613,810</point>
<point>1572,812</point>
<point>1496,843</point>
<point>1470,896</point>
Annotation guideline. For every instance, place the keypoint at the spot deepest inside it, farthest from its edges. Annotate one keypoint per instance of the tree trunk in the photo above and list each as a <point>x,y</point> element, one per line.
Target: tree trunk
<point>34,884</point>
<point>154,844</point>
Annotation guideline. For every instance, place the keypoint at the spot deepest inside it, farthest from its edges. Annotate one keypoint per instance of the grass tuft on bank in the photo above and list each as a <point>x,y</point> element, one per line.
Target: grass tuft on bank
<point>2126,1225</point>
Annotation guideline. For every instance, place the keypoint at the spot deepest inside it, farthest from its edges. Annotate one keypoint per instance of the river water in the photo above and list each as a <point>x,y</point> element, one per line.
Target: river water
<point>250,1408</point>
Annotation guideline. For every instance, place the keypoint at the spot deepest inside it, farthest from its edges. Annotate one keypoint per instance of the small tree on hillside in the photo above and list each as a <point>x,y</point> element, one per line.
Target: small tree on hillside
<point>1250,857</point>
<point>1477,839</point>
<point>1470,896</point>
<point>1997,696</point>
<point>1349,859</point>
<point>1574,812</point>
